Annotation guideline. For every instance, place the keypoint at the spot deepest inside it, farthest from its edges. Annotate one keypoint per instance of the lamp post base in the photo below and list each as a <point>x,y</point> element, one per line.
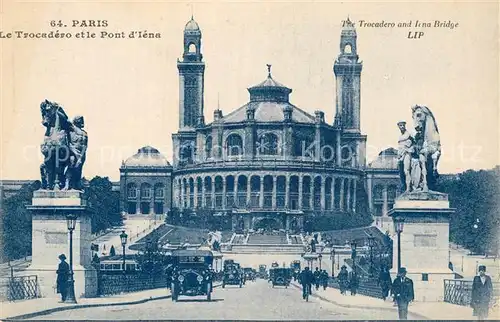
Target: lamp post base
<point>70,297</point>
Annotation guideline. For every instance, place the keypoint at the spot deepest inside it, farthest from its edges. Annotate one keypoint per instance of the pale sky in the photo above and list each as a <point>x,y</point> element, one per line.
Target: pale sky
<point>127,89</point>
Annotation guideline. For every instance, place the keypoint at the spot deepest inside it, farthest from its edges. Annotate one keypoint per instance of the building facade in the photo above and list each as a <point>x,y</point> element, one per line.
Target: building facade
<point>268,160</point>
<point>145,183</point>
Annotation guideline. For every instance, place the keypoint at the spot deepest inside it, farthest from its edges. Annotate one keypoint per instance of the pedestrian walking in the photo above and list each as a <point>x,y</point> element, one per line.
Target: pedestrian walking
<point>306,279</point>
<point>343,278</point>
<point>317,278</point>
<point>481,294</point>
<point>384,281</point>
<point>324,279</point>
<point>402,288</point>
<point>62,277</point>
<point>353,282</point>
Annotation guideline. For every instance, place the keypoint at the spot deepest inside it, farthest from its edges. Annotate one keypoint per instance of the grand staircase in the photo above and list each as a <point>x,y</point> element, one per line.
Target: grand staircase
<point>270,243</point>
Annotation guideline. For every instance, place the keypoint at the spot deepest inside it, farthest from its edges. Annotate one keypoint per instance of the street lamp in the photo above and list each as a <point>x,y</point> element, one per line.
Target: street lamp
<point>70,297</point>
<point>353,254</point>
<point>123,237</point>
<point>332,257</point>
<point>398,227</point>
<point>371,244</point>
<point>320,257</point>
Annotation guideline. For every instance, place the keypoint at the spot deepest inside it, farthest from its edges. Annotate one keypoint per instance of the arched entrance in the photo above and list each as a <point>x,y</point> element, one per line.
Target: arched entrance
<point>267,223</point>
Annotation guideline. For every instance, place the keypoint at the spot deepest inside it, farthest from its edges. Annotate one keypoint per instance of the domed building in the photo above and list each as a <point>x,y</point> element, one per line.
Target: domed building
<point>146,183</point>
<point>383,183</point>
<point>268,162</point>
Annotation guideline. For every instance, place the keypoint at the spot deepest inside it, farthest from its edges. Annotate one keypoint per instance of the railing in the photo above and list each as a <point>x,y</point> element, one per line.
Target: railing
<point>460,292</point>
<point>20,288</point>
<point>366,286</point>
<point>125,283</point>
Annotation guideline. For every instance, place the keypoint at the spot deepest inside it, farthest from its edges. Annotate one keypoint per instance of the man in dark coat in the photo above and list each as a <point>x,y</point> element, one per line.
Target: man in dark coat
<point>402,288</point>
<point>324,279</point>
<point>306,279</point>
<point>343,278</point>
<point>384,281</point>
<point>353,282</point>
<point>481,294</point>
<point>62,277</point>
<point>317,278</point>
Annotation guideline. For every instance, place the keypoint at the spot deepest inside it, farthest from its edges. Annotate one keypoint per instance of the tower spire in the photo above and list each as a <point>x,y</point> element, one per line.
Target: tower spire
<point>268,70</point>
<point>192,12</point>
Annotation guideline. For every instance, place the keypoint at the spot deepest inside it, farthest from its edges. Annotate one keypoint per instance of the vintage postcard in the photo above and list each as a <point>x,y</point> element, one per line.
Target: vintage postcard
<point>249,160</point>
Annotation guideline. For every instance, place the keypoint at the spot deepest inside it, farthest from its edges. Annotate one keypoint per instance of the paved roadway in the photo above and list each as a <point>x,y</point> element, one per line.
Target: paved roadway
<point>256,301</point>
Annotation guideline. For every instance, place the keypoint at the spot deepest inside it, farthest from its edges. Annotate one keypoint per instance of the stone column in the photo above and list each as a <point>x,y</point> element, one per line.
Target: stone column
<point>356,101</point>
<point>348,206</point>
<point>355,185</point>
<point>385,207</point>
<point>341,196</point>
<point>338,95</point>
<point>182,193</point>
<point>311,193</point>
<point>213,192</point>
<point>188,188</point>
<point>287,225</point>
<point>317,143</point>
<point>203,189</point>
<point>275,191</point>
<point>249,190</point>
<point>333,193</point>
<point>261,197</point>
<point>323,197</point>
<point>287,191</point>
<point>369,192</point>
<point>152,202</point>
<point>195,196</point>
<point>301,178</point>
<point>224,189</point>
<point>138,202</point>
<point>338,154</point>
<point>236,189</point>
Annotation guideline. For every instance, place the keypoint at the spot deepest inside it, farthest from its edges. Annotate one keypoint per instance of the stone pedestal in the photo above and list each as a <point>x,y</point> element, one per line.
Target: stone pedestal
<point>424,242</point>
<point>50,238</point>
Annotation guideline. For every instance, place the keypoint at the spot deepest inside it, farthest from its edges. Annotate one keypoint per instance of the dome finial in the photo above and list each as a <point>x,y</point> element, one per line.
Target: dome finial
<point>268,70</point>
<point>192,12</point>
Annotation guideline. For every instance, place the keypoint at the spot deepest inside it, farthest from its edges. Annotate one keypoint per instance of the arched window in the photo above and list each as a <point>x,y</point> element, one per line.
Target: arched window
<point>186,153</point>
<point>145,191</point>
<point>348,49</point>
<point>378,192</point>
<point>192,48</point>
<point>234,145</point>
<point>208,147</point>
<point>131,191</point>
<point>159,191</point>
<point>268,144</point>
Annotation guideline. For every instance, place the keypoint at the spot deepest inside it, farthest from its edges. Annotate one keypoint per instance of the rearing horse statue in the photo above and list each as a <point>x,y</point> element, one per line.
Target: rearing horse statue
<point>55,146</point>
<point>431,148</point>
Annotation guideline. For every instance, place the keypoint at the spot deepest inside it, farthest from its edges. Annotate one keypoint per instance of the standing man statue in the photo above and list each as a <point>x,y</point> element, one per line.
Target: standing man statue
<point>78,152</point>
<point>405,149</point>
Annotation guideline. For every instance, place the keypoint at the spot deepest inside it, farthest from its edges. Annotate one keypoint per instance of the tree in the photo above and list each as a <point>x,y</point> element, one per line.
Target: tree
<point>103,204</point>
<point>474,195</point>
<point>152,258</point>
<point>17,222</point>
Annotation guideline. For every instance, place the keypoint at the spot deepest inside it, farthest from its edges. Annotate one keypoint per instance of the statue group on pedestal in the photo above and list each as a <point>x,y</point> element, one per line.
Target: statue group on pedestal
<point>418,154</point>
<point>64,149</point>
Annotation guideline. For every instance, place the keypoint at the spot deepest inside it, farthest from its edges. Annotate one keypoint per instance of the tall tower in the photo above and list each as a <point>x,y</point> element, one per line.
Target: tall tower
<point>191,79</point>
<point>347,69</point>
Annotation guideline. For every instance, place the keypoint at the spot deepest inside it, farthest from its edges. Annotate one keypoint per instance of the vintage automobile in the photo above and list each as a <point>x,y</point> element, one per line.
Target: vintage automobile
<point>262,271</point>
<point>233,275</point>
<point>191,273</point>
<point>249,274</point>
<point>274,265</point>
<point>281,277</point>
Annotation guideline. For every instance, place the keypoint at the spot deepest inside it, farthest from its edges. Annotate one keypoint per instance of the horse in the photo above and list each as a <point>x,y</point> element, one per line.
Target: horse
<point>55,146</point>
<point>431,149</point>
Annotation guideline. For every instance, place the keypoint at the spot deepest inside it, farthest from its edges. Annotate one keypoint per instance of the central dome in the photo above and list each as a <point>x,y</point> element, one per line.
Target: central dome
<point>269,90</point>
<point>147,157</point>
